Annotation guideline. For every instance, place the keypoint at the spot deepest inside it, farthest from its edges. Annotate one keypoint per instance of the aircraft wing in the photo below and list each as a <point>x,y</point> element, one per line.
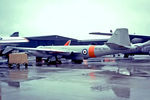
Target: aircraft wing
<point>49,52</point>
<point>99,33</point>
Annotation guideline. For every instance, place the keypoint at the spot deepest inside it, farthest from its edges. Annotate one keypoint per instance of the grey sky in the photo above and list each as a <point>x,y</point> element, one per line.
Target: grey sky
<point>73,18</point>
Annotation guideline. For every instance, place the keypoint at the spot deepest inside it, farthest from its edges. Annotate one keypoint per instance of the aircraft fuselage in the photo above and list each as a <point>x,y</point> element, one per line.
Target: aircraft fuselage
<point>90,51</point>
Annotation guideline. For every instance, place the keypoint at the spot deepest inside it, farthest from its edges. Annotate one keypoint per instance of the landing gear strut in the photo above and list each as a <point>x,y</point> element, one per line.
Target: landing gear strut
<point>56,61</point>
<point>77,61</point>
<point>39,61</point>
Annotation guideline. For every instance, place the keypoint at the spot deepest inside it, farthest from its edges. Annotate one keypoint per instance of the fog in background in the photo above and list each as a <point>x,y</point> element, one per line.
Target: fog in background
<point>73,18</point>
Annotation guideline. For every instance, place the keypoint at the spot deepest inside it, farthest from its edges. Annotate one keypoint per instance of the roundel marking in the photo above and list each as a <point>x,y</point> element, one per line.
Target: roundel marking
<point>84,51</point>
<point>91,51</point>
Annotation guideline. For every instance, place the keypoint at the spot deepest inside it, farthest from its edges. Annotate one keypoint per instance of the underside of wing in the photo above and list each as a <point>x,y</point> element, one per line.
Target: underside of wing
<point>44,51</point>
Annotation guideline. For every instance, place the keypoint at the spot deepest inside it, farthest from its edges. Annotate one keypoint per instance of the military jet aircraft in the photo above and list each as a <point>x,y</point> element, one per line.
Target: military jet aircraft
<point>118,43</point>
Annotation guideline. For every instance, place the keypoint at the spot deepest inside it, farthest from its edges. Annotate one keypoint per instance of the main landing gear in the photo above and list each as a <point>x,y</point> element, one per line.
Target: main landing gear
<point>39,61</point>
<point>126,56</point>
<point>77,61</point>
<point>48,61</point>
<point>53,62</point>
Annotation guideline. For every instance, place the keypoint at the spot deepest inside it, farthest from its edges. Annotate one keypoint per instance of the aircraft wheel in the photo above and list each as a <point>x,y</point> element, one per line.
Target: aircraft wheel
<point>10,66</point>
<point>26,65</point>
<point>77,61</point>
<point>18,66</point>
<point>38,61</point>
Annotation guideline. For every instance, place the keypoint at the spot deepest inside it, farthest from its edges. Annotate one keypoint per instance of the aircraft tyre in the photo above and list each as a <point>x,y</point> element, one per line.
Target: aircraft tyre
<point>26,65</point>
<point>10,66</point>
<point>77,61</point>
<point>54,62</point>
<point>38,61</point>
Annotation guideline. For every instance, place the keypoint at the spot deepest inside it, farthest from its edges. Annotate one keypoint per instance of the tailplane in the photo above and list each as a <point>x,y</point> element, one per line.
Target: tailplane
<point>120,40</point>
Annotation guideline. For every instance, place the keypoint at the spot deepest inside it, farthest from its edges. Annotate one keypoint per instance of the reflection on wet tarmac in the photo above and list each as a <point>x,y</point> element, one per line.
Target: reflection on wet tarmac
<point>123,92</point>
<point>92,75</point>
<point>18,74</point>
<point>104,80</point>
<point>14,84</point>
<point>0,92</point>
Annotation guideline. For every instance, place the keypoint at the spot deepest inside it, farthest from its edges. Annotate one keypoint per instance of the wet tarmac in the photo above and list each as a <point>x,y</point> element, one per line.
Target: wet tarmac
<point>95,79</point>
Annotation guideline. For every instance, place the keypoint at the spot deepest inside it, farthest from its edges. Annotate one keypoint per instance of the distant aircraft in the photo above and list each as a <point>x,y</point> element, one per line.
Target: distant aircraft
<point>118,43</point>
<point>14,38</point>
<point>133,38</point>
<point>32,41</point>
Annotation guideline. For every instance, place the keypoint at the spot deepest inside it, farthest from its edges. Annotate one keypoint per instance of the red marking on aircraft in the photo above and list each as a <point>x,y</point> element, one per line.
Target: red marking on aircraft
<point>91,51</point>
<point>67,43</point>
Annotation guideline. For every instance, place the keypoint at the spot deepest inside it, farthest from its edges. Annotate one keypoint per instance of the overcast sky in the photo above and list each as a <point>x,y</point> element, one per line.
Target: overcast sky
<point>73,18</point>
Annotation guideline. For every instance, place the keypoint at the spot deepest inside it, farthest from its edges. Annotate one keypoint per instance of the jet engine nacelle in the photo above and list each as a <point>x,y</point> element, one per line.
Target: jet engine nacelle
<point>137,40</point>
<point>146,49</point>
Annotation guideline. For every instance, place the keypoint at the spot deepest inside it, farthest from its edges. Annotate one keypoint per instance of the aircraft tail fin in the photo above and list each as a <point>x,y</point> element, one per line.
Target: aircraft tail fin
<point>15,34</point>
<point>67,43</point>
<point>119,40</point>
